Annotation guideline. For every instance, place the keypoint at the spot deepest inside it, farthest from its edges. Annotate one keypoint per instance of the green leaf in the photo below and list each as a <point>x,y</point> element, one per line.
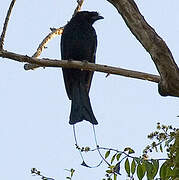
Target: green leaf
<point>131,151</point>
<point>143,167</point>
<point>137,160</point>
<point>161,149</point>
<point>109,171</point>
<point>170,172</point>
<point>127,167</point>
<point>107,154</point>
<point>163,171</point>
<point>112,159</point>
<point>111,167</point>
<point>118,156</point>
<point>140,172</point>
<point>149,169</point>
<point>133,166</point>
<point>155,167</point>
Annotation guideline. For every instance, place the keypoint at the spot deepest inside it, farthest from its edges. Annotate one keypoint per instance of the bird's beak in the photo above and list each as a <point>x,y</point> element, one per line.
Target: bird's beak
<point>97,18</point>
<point>100,17</point>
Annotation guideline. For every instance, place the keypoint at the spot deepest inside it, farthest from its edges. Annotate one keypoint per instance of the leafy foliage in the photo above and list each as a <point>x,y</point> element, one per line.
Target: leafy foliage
<point>163,141</point>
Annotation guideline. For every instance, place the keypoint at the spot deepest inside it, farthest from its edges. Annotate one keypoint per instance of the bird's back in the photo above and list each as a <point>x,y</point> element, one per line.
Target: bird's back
<point>78,42</point>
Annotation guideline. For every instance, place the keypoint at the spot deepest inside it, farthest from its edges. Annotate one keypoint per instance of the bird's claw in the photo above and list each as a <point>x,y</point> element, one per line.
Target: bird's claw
<point>85,61</point>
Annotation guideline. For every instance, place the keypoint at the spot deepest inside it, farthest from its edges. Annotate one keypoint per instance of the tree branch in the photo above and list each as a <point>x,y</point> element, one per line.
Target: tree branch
<point>79,65</point>
<point>50,36</point>
<point>78,8</point>
<point>154,45</point>
<point>151,41</point>
<point>6,24</point>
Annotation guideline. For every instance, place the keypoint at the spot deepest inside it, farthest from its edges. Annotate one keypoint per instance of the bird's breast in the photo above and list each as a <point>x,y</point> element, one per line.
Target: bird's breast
<point>79,42</point>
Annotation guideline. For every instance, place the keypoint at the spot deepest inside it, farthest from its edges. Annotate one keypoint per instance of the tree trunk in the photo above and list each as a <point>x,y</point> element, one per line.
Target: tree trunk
<point>153,44</point>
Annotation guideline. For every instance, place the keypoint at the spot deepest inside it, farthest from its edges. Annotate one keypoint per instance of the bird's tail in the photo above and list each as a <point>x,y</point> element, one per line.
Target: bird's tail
<point>81,107</point>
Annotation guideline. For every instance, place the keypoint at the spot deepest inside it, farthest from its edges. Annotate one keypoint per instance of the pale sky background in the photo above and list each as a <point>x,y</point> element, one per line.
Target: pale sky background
<point>34,108</point>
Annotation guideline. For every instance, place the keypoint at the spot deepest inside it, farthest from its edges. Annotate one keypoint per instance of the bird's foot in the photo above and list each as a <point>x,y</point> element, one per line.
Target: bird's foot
<point>85,61</point>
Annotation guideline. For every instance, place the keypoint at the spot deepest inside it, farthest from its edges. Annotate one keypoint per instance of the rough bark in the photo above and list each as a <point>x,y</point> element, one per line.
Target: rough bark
<point>153,44</point>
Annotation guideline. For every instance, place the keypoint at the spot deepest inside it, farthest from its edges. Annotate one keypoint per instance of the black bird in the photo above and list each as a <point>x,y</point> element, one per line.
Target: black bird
<point>79,42</point>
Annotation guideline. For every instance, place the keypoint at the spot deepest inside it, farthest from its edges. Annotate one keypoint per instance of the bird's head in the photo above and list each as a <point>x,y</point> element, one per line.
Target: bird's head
<point>87,16</point>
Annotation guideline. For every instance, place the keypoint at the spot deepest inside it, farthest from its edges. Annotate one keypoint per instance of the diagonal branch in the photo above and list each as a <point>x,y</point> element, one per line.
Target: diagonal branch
<point>54,32</point>
<point>80,65</point>
<point>50,36</point>
<point>78,8</point>
<point>153,44</point>
<point>6,24</point>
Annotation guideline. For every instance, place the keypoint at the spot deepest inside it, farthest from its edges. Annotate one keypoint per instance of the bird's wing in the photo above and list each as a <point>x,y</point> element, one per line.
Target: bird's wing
<point>89,75</point>
<point>78,46</point>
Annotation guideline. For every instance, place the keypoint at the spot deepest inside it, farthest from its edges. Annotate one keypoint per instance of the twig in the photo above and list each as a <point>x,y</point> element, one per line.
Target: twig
<point>50,36</point>
<point>78,8</point>
<point>6,24</point>
<point>126,154</point>
<point>80,65</point>
<point>42,45</point>
<point>34,171</point>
